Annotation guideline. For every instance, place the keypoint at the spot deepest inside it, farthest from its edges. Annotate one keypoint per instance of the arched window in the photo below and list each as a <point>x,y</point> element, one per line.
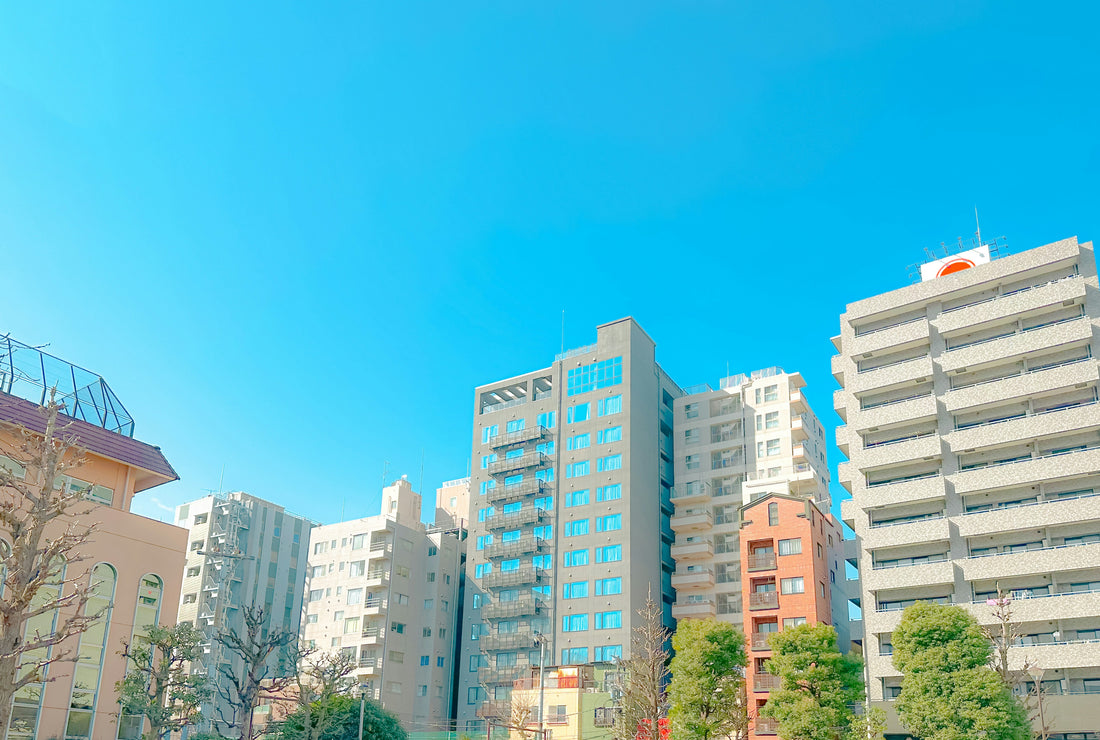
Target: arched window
<point>89,664</point>
<point>773,515</point>
<point>146,615</point>
<point>27,705</point>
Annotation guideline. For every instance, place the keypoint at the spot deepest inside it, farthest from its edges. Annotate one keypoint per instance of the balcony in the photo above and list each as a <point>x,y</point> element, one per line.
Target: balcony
<point>1022,301</point>
<point>798,403</point>
<point>523,576</point>
<point>766,726</point>
<point>375,606</point>
<point>526,606</point>
<point>909,576</point>
<point>763,600</point>
<point>374,635</point>
<point>765,682</point>
<point>380,551</point>
<point>908,330</point>
<point>895,374</point>
<point>1031,562</point>
<point>1027,427</point>
<point>1031,515</point>
<point>1036,381</point>
<point>377,577</point>
<point>494,709</point>
<point>696,494</point>
<point>694,549</point>
<point>515,519</point>
<point>500,675</point>
<point>692,520</point>
<point>529,487</point>
<point>1028,472</point>
<point>763,561</point>
<point>519,437</point>
<point>1065,332</point>
<point>694,609</point>
<point>507,641</point>
<point>759,640</point>
<point>368,666</point>
<point>689,579</point>
<point>528,543</point>
<point>526,460</point>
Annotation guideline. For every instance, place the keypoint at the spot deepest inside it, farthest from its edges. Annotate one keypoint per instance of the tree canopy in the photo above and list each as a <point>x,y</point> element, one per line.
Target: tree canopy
<point>706,695</point>
<point>342,713</point>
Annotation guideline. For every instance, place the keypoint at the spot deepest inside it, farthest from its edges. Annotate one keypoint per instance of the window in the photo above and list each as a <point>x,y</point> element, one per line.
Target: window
<point>200,518</point>
<point>439,660</point>
<point>510,565</point>
<point>601,374</point>
<point>317,594</point>
<point>355,596</point>
<point>580,412</point>
<point>546,474</point>
<point>820,551</point>
<point>351,625</point>
<point>482,569</point>
<point>357,568</point>
<point>691,410</point>
<point>767,449</point>
<point>318,570</point>
<point>789,622</point>
<point>609,554</point>
<point>190,598</point>
<point>609,586</point>
<point>609,406</point>
<point>426,632</point>
<point>512,535</point>
<point>579,441</point>
<point>89,655</point>
<point>771,420</point>
<point>193,571</point>
<point>488,433</point>
<point>477,601</point>
<point>609,493</point>
<point>486,459</point>
<point>486,486</point>
<point>792,585</point>
<point>609,523</point>
<point>574,656</point>
<point>692,461</point>
<point>429,604</point>
<point>607,654</point>
<point>546,503</point>
<point>483,541</point>
<point>473,695</point>
<point>609,620</point>
<point>611,434</point>
<point>546,562</point>
<point>577,469</point>
<point>311,619</point>
<point>513,454</point>
<point>576,527</point>
<point>821,589</point>
<point>575,557</point>
<point>576,498</point>
<point>546,448</point>
<point>575,590</point>
<point>611,462</point>
<point>544,532</point>
<point>196,545</point>
<point>516,425</point>
<point>548,419</point>
<point>574,623</point>
<point>319,548</point>
<point>475,631</point>
<point>771,393</point>
<point>773,515</point>
<point>790,547</point>
<point>486,513</point>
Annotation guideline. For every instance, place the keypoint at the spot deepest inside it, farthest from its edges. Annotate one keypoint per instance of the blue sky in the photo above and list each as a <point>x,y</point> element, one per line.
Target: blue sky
<point>294,240</point>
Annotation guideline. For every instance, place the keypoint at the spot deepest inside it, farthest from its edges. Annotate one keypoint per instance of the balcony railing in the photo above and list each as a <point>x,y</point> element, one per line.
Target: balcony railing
<point>759,640</point>
<point>764,600</point>
<point>517,437</point>
<point>522,576</point>
<point>507,641</point>
<point>378,633</point>
<point>515,519</point>
<point>529,487</point>
<point>370,662</point>
<point>522,546</point>
<point>500,675</point>
<point>508,464</point>
<point>765,682</point>
<point>766,726</point>
<point>375,603</point>
<point>763,561</point>
<point>490,709</point>
<point>515,608</point>
<point>380,550</point>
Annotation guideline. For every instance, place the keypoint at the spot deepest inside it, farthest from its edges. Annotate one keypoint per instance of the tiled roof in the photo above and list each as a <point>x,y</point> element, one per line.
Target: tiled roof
<point>96,440</point>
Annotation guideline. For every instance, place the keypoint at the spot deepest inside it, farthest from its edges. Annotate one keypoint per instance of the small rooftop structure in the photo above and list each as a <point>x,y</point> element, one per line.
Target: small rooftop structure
<point>29,373</point>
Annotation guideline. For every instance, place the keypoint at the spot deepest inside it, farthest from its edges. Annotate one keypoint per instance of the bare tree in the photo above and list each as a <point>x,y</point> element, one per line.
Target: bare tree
<point>1003,633</point>
<point>320,677</point>
<point>644,676</point>
<point>255,648</point>
<point>44,598</point>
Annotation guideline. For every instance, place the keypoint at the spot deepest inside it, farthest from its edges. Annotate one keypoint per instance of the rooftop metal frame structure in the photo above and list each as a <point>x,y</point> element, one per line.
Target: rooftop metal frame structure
<point>29,373</point>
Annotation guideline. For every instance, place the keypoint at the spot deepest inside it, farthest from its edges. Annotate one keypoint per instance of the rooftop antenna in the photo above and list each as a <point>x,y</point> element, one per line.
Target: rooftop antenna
<point>221,480</point>
<point>420,489</point>
<point>385,469</point>
<point>978,224</point>
<point>563,331</point>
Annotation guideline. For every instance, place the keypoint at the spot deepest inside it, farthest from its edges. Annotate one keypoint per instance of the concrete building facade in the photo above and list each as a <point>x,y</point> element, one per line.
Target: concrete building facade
<point>242,552</point>
<point>135,563</point>
<point>572,479</point>
<point>386,591</point>
<point>972,432</point>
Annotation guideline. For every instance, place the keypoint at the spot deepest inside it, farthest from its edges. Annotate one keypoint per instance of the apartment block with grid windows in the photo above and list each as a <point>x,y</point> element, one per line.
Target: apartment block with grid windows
<point>972,432</point>
<point>385,590</point>
<point>569,515</point>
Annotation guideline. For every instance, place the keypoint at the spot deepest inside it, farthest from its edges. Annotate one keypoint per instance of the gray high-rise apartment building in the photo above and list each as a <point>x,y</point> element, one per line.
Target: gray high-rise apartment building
<point>243,551</point>
<point>972,431</point>
<point>569,514</point>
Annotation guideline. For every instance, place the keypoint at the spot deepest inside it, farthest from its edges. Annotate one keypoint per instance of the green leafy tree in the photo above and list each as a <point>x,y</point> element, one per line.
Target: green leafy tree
<point>818,685</point>
<point>948,691</point>
<point>157,684</point>
<point>342,713</point>
<point>707,693</point>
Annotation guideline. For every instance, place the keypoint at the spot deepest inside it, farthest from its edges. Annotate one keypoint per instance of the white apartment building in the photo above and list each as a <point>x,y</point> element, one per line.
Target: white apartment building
<point>243,551</point>
<point>452,503</point>
<point>972,432</point>
<point>756,434</point>
<point>386,590</point>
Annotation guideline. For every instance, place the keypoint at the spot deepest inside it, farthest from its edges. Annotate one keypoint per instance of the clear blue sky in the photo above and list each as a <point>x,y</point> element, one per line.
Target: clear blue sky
<point>293,238</point>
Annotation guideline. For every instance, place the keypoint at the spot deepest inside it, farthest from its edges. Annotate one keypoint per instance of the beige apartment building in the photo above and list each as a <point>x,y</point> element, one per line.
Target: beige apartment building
<point>386,590</point>
<point>972,432</point>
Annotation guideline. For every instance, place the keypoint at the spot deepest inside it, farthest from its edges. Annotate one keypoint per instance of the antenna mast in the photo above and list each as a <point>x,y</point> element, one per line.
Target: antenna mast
<point>978,224</point>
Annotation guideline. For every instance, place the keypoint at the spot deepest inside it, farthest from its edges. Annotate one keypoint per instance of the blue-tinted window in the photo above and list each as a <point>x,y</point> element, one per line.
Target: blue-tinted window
<point>609,620</point>
<point>597,375</point>
<point>511,508</point>
<point>546,503</point>
<point>513,454</point>
<point>576,498</point>
<point>425,659</point>
<point>577,469</point>
<point>575,557</point>
<point>507,566</point>
<point>545,475</point>
<point>486,459</point>
<point>609,586</point>
<point>576,590</point>
<point>548,419</point>
<point>580,412</point>
<point>611,462</point>
<point>513,480</point>
<point>609,554</point>
<point>477,601</point>
<point>482,569</point>
<point>544,532</point>
<point>439,662</point>
<point>484,540</point>
<point>546,448</point>
<point>611,434</point>
<point>610,405</point>
<point>546,562</point>
<point>487,485</point>
<point>608,653</point>
<point>511,535</point>
<point>574,656</point>
<point>580,526</point>
<point>609,523</point>
<point>574,623</point>
<point>486,513</point>
<point>488,433</point>
<point>579,441</point>
<point>609,493</point>
<point>516,425</point>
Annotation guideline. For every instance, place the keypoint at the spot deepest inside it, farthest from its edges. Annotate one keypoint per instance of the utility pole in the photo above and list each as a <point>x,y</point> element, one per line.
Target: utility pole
<point>362,707</point>
<point>540,638</point>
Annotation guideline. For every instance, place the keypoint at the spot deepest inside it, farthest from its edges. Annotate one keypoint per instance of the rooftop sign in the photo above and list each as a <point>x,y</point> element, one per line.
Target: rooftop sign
<point>954,263</point>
